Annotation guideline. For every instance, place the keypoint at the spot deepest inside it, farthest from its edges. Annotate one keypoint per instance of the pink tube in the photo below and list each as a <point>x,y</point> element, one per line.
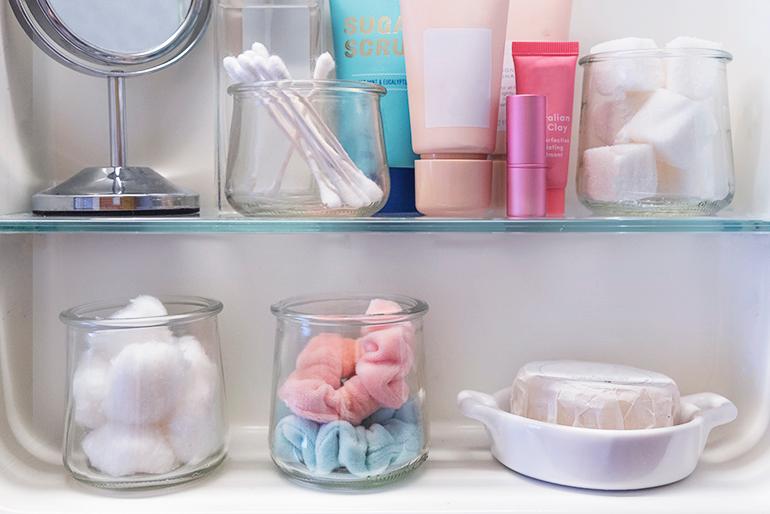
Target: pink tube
<point>548,69</point>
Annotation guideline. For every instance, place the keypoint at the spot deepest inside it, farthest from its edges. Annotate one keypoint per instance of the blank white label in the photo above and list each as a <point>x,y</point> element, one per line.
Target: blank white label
<point>458,78</point>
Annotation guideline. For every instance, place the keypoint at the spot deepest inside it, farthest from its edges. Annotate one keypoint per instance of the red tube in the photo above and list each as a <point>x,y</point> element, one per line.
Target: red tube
<point>548,69</point>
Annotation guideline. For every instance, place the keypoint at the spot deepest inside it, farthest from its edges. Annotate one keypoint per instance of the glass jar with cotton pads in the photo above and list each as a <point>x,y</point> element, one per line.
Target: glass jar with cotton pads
<point>349,402</point>
<point>332,161</point>
<point>146,393</point>
<point>655,133</point>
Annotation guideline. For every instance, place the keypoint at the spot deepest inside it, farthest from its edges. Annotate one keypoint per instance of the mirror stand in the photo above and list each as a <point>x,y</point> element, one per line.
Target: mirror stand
<point>116,189</point>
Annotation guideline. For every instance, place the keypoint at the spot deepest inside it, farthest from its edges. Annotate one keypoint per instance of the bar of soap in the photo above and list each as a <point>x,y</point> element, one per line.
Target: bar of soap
<point>593,395</point>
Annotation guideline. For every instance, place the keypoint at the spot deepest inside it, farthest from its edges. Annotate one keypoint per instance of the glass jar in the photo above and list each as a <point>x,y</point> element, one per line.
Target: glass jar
<point>146,394</point>
<point>292,29</point>
<point>348,408</point>
<point>307,148</point>
<point>655,136</point>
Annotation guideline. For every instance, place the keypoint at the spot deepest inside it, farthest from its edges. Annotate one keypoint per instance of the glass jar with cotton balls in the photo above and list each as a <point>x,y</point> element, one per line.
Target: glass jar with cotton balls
<point>146,392</point>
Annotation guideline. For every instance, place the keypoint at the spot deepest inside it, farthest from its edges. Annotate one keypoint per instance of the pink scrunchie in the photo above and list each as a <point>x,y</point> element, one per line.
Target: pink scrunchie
<point>342,379</point>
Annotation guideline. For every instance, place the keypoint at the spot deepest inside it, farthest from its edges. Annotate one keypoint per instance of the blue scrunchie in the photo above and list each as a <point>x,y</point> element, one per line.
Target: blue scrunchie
<point>388,439</point>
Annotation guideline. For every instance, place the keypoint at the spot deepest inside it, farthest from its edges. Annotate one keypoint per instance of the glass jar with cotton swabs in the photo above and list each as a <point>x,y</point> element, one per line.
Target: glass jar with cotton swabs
<point>325,156</point>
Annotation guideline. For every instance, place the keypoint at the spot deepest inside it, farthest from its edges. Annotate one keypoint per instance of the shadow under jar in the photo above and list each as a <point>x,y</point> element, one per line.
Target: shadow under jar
<point>348,407</point>
<point>307,149</point>
<point>655,136</point>
<point>145,396</point>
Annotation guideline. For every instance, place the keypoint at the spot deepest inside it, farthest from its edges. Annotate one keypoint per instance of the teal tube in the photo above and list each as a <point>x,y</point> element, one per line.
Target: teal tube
<point>368,47</point>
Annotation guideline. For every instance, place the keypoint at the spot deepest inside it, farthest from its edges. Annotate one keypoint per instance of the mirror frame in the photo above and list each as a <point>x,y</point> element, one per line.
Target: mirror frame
<point>51,34</point>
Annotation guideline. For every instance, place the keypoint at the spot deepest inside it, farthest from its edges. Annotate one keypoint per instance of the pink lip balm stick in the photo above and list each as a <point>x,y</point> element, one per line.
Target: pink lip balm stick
<point>527,165</point>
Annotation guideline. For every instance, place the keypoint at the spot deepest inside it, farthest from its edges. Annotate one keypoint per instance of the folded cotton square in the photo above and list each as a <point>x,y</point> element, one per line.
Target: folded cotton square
<point>594,395</point>
<point>691,73</point>
<point>606,117</point>
<point>676,126</point>
<point>122,450</point>
<point>619,173</point>
<point>627,73</point>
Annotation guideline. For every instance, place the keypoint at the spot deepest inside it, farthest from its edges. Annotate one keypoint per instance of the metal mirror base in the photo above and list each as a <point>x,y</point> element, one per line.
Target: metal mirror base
<point>116,192</point>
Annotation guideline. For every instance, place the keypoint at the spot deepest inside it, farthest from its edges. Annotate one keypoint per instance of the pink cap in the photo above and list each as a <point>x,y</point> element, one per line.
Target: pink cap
<point>527,165</point>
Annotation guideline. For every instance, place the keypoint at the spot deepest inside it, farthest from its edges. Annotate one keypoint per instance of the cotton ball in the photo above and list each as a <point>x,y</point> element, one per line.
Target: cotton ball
<point>122,450</point>
<point>144,383</point>
<point>88,390</point>
<point>676,126</point>
<point>619,173</point>
<point>195,430</point>
<point>693,76</point>
<point>109,343</point>
<point>144,306</point>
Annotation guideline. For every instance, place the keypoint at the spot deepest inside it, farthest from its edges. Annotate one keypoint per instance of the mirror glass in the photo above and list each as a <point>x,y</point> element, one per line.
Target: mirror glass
<point>122,26</point>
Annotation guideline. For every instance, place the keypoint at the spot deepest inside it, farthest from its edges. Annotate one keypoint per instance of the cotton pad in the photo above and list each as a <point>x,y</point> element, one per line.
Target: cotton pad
<point>694,76</point>
<point>195,429</point>
<point>145,383</point>
<point>678,127</point>
<point>121,450</point>
<point>606,116</point>
<point>89,384</point>
<point>624,44</point>
<point>632,74</point>
<point>592,395</point>
<point>620,173</point>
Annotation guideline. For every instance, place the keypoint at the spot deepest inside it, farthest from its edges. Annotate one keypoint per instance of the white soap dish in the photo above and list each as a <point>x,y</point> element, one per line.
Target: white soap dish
<point>607,460</point>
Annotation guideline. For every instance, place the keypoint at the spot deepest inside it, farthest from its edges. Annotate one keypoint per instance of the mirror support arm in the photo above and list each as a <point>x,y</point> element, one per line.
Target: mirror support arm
<point>117,108</point>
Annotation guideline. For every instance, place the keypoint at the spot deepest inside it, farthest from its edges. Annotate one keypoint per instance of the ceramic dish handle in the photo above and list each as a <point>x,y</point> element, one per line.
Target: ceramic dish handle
<point>714,409</point>
<point>479,406</point>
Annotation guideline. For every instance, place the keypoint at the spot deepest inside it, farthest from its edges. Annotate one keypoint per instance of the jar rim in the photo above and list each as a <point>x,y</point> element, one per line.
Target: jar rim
<point>82,316</point>
<point>292,309</point>
<point>341,86</point>
<point>661,53</point>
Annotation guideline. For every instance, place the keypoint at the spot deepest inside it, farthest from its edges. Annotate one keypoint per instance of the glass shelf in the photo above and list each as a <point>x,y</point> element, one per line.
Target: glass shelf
<point>25,223</point>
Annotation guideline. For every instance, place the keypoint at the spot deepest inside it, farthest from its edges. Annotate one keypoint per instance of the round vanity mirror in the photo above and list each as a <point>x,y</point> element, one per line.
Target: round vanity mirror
<point>122,27</point>
<point>115,39</point>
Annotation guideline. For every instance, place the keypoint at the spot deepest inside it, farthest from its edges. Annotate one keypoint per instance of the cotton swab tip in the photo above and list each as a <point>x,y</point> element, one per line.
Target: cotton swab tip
<point>324,66</point>
<point>260,49</point>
